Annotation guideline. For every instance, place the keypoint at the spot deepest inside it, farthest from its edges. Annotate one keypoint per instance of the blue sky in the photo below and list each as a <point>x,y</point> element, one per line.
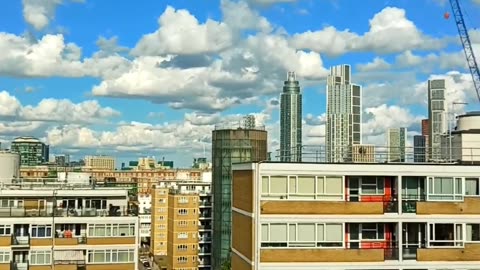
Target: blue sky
<point>137,78</point>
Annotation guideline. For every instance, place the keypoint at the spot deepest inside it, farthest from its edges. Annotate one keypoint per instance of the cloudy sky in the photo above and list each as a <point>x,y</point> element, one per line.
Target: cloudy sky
<point>136,78</point>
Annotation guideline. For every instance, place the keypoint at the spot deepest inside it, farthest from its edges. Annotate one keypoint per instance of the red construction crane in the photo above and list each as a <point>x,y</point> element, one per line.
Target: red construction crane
<point>467,45</point>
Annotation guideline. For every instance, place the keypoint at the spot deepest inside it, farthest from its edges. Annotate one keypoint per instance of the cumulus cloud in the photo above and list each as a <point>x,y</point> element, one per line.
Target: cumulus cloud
<point>377,64</point>
<point>39,13</point>
<point>390,32</point>
<point>55,110</point>
<point>180,33</point>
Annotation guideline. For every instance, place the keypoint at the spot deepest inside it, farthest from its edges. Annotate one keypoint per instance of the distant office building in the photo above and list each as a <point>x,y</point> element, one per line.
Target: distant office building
<point>363,153</point>
<point>437,117</point>
<point>291,120</point>
<point>426,134</point>
<point>62,160</point>
<point>396,139</point>
<point>32,151</point>
<point>344,114</point>
<point>419,148</point>
<point>230,145</point>
<point>100,162</point>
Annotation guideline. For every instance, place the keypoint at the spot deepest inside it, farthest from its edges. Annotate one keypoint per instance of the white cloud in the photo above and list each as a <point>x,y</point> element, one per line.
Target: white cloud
<point>9,105</point>
<point>377,64</point>
<point>180,33</point>
<point>390,32</point>
<point>269,2</point>
<point>383,117</point>
<point>239,16</point>
<point>19,128</point>
<point>39,13</point>
<point>55,110</point>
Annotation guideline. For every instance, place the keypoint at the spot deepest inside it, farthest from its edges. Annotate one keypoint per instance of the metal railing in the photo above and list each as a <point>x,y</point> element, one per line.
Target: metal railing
<point>19,265</point>
<point>409,251</point>
<point>409,202</point>
<point>64,212</point>
<point>20,240</point>
<point>379,154</point>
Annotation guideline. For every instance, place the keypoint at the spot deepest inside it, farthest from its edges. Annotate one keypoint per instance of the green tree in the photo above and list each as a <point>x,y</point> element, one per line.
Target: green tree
<point>226,265</point>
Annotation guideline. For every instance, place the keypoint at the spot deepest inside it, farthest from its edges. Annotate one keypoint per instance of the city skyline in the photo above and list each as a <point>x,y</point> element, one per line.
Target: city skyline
<point>75,87</point>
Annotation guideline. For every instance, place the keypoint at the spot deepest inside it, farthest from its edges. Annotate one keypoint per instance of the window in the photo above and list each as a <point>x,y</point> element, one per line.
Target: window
<point>473,232</point>
<point>445,235</point>
<point>373,185</point>
<point>320,235</point>
<point>183,200</point>
<point>182,260</point>
<point>444,189</point>
<point>111,230</point>
<point>4,256</point>
<point>472,187</point>
<point>303,187</point>
<point>183,212</point>
<point>6,203</point>
<point>96,203</point>
<point>182,235</point>
<point>111,256</point>
<point>372,231</point>
<point>5,230</point>
<point>41,231</point>
<point>182,247</point>
<point>40,257</point>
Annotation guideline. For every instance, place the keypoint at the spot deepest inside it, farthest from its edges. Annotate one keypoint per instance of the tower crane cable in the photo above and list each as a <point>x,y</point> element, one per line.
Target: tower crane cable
<point>467,45</point>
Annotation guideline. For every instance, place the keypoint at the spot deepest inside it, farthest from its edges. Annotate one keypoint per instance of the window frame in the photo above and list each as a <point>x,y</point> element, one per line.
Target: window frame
<point>5,256</point>
<point>294,195</point>
<point>478,186</point>
<point>378,232</point>
<point>47,227</point>
<point>456,197</point>
<point>111,230</point>
<point>109,255</point>
<point>466,233</point>
<point>5,229</point>
<point>34,254</point>
<point>296,244</point>
<point>454,242</point>
<point>378,179</point>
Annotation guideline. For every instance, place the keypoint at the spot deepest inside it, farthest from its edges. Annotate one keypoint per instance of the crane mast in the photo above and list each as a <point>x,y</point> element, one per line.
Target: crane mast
<point>467,45</point>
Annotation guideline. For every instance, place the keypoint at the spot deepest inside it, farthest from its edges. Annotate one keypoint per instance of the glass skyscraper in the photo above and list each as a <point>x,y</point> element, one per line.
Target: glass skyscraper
<point>291,120</point>
<point>344,114</point>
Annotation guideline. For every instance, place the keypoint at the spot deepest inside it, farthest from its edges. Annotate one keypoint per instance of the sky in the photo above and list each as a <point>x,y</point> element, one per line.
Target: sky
<point>153,78</point>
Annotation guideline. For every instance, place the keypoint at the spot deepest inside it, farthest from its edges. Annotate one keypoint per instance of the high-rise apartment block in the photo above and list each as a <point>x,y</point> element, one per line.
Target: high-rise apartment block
<point>355,216</point>
<point>344,114</point>
<point>182,224</point>
<point>396,139</point>
<point>99,162</point>
<point>437,117</point>
<point>363,153</point>
<point>32,151</point>
<point>182,244</point>
<point>291,120</point>
<point>230,145</point>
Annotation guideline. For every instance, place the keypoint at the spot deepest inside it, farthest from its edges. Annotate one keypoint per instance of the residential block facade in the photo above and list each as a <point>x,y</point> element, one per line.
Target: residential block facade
<point>66,227</point>
<point>355,216</point>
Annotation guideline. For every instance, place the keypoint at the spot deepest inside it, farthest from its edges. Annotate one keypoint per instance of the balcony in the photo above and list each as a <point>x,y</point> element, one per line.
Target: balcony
<point>20,241</point>
<point>205,203</point>
<point>19,265</point>
<point>409,203</point>
<point>70,241</point>
<point>205,239</point>
<point>93,212</point>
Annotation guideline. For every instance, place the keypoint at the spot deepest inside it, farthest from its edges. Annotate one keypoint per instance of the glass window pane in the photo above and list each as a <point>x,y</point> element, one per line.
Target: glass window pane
<point>334,185</point>
<point>278,232</point>
<point>320,184</point>
<point>306,184</point>
<point>334,232</point>
<point>321,232</point>
<point>264,184</point>
<point>264,232</point>
<point>292,232</point>
<point>278,184</point>
<point>306,232</point>
<point>293,184</point>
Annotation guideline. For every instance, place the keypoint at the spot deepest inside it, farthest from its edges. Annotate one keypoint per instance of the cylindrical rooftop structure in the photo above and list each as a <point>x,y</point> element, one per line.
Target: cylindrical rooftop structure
<point>9,166</point>
<point>468,121</point>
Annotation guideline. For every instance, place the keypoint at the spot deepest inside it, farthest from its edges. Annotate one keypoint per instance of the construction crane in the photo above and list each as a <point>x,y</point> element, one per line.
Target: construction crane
<point>467,45</point>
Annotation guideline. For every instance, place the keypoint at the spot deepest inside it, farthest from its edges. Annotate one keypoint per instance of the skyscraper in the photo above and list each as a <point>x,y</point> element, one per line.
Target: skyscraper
<point>344,114</point>
<point>436,117</point>
<point>32,151</point>
<point>425,134</point>
<point>232,144</point>
<point>396,139</point>
<point>291,120</point>
<point>419,148</point>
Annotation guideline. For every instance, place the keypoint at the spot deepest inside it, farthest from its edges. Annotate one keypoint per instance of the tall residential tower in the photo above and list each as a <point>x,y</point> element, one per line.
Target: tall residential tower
<point>344,114</point>
<point>436,117</point>
<point>396,140</point>
<point>291,120</point>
